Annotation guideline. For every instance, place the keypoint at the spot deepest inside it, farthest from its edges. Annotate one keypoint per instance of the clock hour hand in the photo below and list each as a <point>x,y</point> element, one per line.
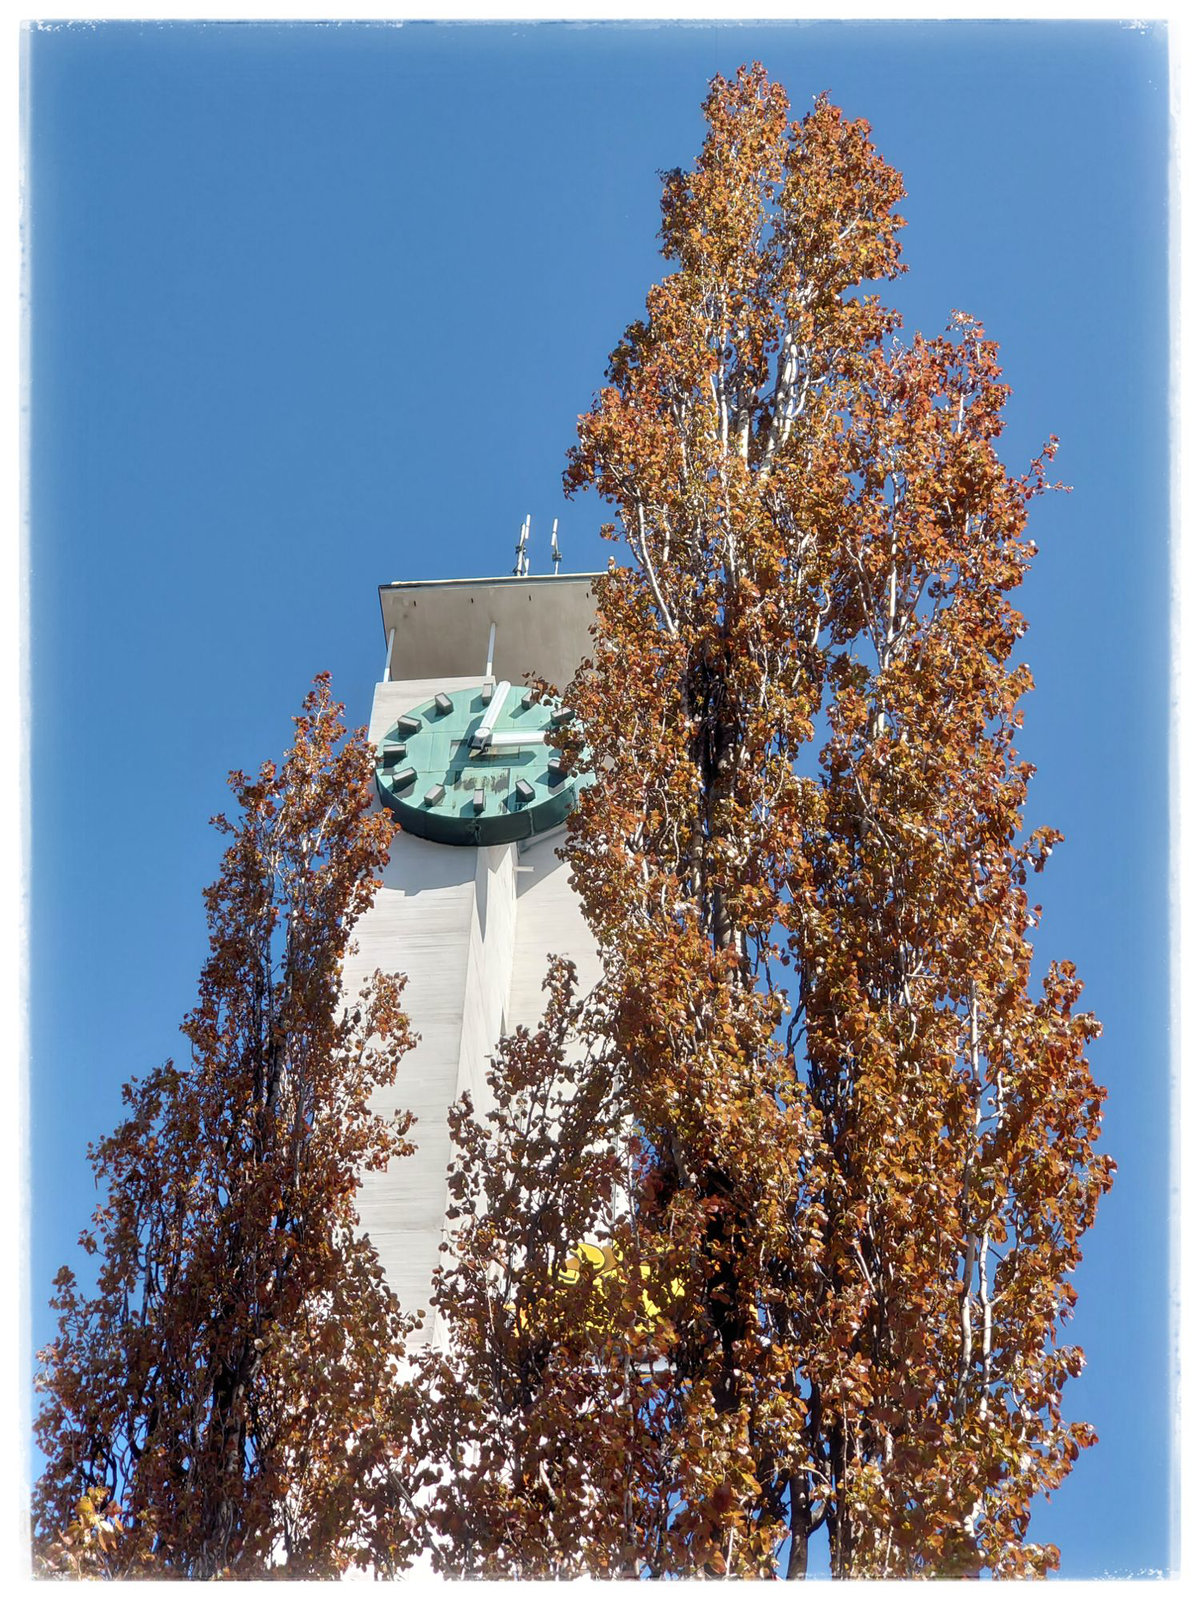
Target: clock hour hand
<point>514,737</point>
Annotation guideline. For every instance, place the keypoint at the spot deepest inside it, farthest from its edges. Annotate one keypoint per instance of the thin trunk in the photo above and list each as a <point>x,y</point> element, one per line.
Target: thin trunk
<point>799,1520</point>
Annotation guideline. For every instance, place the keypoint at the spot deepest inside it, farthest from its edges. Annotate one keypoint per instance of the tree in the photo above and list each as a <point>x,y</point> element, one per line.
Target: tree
<point>841,1154</point>
<point>227,1402</point>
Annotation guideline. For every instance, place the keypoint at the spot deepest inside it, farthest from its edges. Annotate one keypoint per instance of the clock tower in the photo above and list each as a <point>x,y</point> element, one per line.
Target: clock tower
<point>474,898</point>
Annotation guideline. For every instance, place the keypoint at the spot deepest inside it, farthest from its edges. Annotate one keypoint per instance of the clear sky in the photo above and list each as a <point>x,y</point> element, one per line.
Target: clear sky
<point>315,307</point>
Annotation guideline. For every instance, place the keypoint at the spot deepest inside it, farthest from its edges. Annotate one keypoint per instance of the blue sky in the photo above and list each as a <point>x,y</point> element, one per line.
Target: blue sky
<point>315,307</point>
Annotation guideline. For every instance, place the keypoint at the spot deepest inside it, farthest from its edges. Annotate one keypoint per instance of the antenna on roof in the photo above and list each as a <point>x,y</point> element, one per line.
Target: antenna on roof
<point>521,569</point>
<point>555,552</point>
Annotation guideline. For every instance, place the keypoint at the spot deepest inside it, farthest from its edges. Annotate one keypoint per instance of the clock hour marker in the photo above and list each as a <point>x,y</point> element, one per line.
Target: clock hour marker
<point>432,796</point>
<point>524,791</point>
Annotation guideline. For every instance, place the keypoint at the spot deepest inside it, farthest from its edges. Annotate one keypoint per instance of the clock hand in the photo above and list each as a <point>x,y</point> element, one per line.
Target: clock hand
<point>482,736</point>
<point>509,740</point>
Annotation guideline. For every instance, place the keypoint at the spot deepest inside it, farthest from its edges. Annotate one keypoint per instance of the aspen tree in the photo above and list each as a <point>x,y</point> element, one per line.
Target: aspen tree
<point>227,1402</point>
<point>840,1142</point>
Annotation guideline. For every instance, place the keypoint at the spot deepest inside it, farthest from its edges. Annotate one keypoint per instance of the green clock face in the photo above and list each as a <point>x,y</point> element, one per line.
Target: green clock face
<point>477,766</point>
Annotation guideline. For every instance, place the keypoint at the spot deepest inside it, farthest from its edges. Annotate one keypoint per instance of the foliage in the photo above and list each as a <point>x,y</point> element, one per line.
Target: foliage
<point>813,1088</point>
<point>227,1402</point>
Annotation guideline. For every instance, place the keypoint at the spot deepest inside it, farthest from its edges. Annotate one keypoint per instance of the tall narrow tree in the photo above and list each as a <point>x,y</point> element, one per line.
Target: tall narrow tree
<point>851,1156</point>
<point>226,1402</point>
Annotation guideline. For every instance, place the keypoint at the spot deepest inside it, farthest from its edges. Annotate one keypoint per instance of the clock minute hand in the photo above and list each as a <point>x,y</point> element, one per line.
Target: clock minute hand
<point>482,736</point>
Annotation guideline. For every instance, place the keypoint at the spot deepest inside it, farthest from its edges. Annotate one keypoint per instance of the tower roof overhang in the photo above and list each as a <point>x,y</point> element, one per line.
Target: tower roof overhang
<point>442,628</point>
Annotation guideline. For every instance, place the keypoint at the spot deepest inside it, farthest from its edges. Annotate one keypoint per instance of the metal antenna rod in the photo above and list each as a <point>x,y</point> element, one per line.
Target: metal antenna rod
<point>522,566</point>
<point>555,552</point>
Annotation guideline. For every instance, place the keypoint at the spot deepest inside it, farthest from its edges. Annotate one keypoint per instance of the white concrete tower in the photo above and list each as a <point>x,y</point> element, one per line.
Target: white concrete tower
<point>474,897</point>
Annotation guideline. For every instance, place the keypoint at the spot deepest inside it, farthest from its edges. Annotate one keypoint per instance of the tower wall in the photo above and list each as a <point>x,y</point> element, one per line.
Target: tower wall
<point>472,928</point>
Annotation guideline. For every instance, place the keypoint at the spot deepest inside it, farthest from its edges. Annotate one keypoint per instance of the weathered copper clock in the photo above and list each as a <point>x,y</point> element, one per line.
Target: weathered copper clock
<point>478,766</point>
